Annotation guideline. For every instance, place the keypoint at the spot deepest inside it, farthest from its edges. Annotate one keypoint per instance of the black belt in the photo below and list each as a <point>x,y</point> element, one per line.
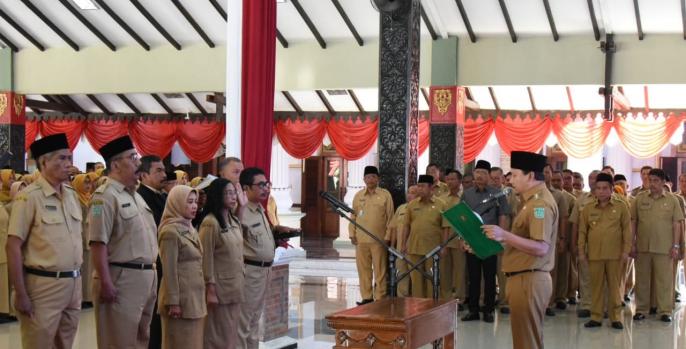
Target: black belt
<point>258,263</point>
<point>138,266</point>
<point>72,274</point>
<point>522,272</point>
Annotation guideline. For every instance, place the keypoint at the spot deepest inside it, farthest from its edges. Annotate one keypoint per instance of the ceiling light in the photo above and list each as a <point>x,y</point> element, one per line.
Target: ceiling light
<point>86,4</point>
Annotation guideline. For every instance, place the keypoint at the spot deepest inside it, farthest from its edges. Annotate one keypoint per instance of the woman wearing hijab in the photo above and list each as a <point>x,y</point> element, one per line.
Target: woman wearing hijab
<point>181,177</point>
<point>82,184</point>
<point>93,177</point>
<point>6,180</point>
<point>181,302</point>
<point>222,242</point>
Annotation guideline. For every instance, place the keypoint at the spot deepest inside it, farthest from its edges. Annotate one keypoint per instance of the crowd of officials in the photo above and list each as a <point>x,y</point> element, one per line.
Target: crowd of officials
<point>165,262</point>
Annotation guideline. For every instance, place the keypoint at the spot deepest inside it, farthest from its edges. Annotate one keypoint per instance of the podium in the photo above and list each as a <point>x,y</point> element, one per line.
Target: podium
<point>395,323</point>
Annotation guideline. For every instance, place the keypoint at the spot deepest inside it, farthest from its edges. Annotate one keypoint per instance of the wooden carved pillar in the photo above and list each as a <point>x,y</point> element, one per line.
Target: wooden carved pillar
<point>12,120</point>
<point>398,97</point>
<point>447,126</point>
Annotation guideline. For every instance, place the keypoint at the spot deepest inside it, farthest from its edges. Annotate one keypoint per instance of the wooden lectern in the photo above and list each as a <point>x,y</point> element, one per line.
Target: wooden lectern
<point>395,323</point>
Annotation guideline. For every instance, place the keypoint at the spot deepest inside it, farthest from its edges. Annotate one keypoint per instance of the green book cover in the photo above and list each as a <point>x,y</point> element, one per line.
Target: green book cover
<point>468,224</point>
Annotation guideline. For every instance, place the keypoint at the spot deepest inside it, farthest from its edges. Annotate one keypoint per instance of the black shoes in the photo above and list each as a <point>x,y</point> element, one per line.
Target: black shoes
<point>583,313</point>
<point>617,325</point>
<point>639,317</point>
<point>666,318</point>
<point>471,317</point>
<point>549,312</point>
<point>592,323</point>
<point>488,317</point>
<point>561,305</point>
<point>627,299</point>
<point>364,301</point>
<point>572,301</point>
<point>504,310</point>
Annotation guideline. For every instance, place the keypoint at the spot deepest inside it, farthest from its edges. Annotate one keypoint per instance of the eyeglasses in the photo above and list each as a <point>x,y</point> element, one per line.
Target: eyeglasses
<point>132,157</point>
<point>263,185</point>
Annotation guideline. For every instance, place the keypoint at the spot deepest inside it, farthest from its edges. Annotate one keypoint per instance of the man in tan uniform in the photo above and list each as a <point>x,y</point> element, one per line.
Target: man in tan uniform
<point>395,229</point>
<point>655,220</point>
<point>4,275</point>
<point>373,207</point>
<point>498,179</point>
<point>45,252</point>
<point>258,254</point>
<point>453,262</point>
<point>529,250</point>
<point>559,272</point>
<point>424,229</point>
<point>584,198</point>
<point>440,188</point>
<point>578,185</point>
<point>605,242</point>
<point>573,274</point>
<point>123,240</point>
<point>645,181</point>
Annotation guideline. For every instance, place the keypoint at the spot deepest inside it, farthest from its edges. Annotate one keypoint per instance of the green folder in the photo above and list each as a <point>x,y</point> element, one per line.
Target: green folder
<point>468,224</point>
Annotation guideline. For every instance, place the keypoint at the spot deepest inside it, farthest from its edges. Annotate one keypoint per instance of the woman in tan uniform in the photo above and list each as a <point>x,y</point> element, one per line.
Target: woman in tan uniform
<point>181,302</point>
<point>82,185</point>
<point>222,242</point>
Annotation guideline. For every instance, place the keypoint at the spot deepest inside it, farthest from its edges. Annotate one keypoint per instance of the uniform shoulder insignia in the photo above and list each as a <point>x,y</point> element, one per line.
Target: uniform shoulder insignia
<point>68,186</point>
<point>101,189</point>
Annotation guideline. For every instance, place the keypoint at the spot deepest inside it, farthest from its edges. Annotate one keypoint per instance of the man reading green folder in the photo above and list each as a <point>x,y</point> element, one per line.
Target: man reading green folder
<point>468,226</point>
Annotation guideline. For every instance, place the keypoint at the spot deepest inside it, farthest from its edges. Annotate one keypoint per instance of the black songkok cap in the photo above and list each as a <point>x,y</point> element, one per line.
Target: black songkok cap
<point>619,177</point>
<point>604,177</point>
<point>49,144</point>
<point>483,164</point>
<point>117,146</point>
<point>526,161</point>
<point>371,170</point>
<point>171,176</point>
<point>426,179</point>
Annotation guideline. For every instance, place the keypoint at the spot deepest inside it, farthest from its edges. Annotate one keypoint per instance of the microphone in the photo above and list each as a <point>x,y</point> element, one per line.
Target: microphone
<point>337,204</point>
<point>506,191</point>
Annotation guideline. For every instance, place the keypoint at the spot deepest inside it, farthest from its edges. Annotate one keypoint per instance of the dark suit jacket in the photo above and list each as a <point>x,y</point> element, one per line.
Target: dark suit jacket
<point>155,201</point>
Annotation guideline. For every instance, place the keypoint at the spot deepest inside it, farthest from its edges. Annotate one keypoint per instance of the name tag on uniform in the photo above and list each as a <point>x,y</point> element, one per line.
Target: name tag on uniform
<point>255,225</point>
<point>128,204</point>
<point>51,208</point>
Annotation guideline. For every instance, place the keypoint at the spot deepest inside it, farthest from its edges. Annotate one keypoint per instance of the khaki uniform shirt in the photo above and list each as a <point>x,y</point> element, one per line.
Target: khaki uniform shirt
<point>450,201</point>
<point>578,193</point>
<point>441,189</point>
<point>605,231</point>
<point>398,222</point>
<point>425,221</point>
<point>373,211</point>
<point>182,283</point>
<point>537,220</point>
<point>258,241</point>
<point>122,220</point>
<point>655,218</point>
<point>4,222</point>
<point>638,190</point>
<point>581,202</point>
<point>49,225</point>
<point>222,262</point>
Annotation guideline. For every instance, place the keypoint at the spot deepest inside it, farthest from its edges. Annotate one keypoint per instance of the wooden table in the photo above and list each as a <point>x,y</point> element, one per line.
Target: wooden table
<point>400,323</point>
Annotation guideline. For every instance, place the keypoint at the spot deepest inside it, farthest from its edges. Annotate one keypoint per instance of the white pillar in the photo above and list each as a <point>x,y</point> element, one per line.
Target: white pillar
<point>356,174</point>
<point>279,176</point>
<point>234,39</point>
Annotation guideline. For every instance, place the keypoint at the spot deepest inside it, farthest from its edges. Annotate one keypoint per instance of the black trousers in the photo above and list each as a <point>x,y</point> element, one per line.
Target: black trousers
<point>475,268</point>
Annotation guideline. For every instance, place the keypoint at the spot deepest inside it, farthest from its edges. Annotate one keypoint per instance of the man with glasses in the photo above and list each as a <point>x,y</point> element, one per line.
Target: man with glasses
<point>258,253</point>
<point>123,241</point>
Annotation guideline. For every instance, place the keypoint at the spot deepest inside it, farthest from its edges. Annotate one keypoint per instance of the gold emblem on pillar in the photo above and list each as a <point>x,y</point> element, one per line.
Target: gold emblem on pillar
<point>3,103</point>
<point>18,104</point>
<point>442,100</point>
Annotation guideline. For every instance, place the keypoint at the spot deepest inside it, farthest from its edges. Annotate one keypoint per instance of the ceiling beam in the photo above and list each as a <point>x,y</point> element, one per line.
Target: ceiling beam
<point>683,17</point>
<point>196,103</point>
<point>594,21</point>
<point>308,21</point>
<point>193,23</point>
<point>162,103</point>
<point>292,102</point>
<point>325,100</point>
<point>281,39</point>
<point>493,98</point>
<point>72,103</point>
<point>220,102</point>
<point>8,42</point>
<point>353,96</point>
<point>50,24</point>
<point>36,104</point>
<point>88,25</point>
<point>531,98</point>
<point>347,21</point>
<point>508,21</point>
<point>569,98</point>
<point>609,49</point>
<point>426,97</point>
<point>427,22</point>
<point>21,30</point>
<point>128,103</point>
<point>468,93</point>
<point>465,19</point>
<point>103,5</point>
<point>551,20</point>
<point>219,9</point>
<point>155,24</point>
<point>99,104</point>
<point>637,14</point>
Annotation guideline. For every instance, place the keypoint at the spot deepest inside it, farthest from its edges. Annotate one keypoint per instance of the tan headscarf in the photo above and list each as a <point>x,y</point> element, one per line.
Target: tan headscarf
<point>195,181</point>
<point>176,204</point>
<point>181,177</point>
<point>6,180</point>
<point>77,183</point>
<point>16,188</point>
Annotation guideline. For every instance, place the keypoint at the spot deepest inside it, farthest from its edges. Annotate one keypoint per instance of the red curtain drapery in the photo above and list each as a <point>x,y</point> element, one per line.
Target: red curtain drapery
<point>353,138</point>
<point>580,138</point>
<point>645,137</point>
<point>200,140</point>
<point>153,138</point>
<point>101,132</point>
<point>257,88</point>
<point>30,132</point>
<point>423,135</point>
<point>521,134</point>
<point>72,128</point>
<point>476,135</point>
<point>300,138</point>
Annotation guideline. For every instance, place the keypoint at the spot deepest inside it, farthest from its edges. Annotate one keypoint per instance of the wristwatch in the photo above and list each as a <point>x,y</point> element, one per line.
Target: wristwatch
<point>676,246</point>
